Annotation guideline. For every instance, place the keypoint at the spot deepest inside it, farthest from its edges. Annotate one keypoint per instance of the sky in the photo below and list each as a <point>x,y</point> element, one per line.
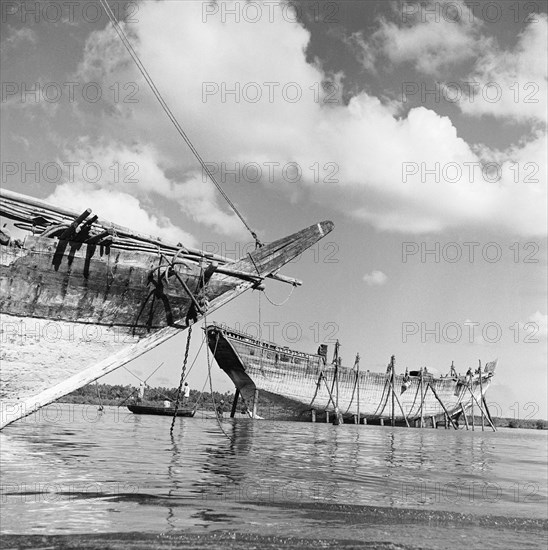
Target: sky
<point>418,129</point>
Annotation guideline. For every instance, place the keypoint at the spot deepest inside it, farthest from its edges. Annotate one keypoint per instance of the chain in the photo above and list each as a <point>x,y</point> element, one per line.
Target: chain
<point>182,380</point>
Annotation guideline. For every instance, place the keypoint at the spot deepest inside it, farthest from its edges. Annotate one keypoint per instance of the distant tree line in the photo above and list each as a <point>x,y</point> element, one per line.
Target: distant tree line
<point>270,406</point>
<point>107,394</point>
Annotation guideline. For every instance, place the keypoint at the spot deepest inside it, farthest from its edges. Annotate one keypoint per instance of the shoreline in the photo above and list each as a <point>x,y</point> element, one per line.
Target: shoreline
<point>208,412</point>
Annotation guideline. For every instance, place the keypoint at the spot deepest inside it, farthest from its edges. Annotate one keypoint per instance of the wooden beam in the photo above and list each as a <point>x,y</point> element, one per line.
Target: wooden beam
<point>481,409</point>
<point>441,403</point>
<point>481,393</point>
<point>464,414</point>
<point>401,408</point>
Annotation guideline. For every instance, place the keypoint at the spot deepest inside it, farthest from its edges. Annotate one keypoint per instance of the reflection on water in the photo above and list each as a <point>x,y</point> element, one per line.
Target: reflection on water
<point>124,472</point>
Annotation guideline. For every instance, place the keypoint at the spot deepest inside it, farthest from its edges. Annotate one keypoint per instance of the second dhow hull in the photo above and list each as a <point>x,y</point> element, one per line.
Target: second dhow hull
<point>258,365</point>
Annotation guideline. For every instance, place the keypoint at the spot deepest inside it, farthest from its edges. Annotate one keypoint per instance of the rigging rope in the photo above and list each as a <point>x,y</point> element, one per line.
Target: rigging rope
<point>181,380</point>
<point>209,366</point>
<point>99,396</point>
<point>123,37</point>
<point>201,395</point>
<point>281,303</point>
<point>382,398</point>
<point>195,358</point>
<point>353,392</point>
<point>317,389</point>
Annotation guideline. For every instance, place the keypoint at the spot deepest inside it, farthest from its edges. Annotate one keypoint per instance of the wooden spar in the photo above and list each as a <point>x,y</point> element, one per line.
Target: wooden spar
<point>480,408</point>
<point>337,420</point>
<point>254,278</point>
<point>400,405</point>
<point>442,405</point>
<point>392,369</point>
<point>235,403</point>
<point>481,393</point>
<point>394,395</point>
<point>71,229</point>
<point>100,236</point>
<point>328,391</point>
<point>464,414</point>
<point>486,408</point>
<point>469,385</point>
<point>24,209</point>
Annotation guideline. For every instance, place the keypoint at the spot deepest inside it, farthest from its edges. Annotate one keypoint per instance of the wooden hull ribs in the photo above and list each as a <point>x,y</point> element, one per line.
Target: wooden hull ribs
<point>308,383</point>
<point>80,297</point>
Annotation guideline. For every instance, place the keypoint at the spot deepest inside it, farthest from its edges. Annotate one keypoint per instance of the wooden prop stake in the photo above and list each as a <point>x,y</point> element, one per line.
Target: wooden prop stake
<point>235,403</point>
<point>481,393</point>
<point>442,405</point>
<point>481,409</point>
<point>464,414</point>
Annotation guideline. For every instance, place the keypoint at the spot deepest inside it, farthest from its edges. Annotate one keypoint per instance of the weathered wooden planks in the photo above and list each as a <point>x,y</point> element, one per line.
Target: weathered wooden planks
<point>78,284</point>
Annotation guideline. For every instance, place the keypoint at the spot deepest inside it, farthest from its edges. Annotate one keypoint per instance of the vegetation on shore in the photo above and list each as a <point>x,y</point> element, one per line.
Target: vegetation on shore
<point>106,394</point>
<point>115,395</point>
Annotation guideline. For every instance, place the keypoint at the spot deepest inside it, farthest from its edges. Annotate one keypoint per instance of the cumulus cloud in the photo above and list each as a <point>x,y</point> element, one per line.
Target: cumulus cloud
<point>434,37</point>
<point>370,163</point>
<point>375,278</point>
<point>120,208</point>
<point>438,37</point>
<point>139,170</point>
<point>512,83</point>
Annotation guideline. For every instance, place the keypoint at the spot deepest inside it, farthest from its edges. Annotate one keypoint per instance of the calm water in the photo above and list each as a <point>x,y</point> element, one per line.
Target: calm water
<point>69,470</point>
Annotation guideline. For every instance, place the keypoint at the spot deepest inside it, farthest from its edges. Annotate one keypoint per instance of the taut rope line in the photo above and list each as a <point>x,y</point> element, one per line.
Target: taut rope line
<point>123,37</point>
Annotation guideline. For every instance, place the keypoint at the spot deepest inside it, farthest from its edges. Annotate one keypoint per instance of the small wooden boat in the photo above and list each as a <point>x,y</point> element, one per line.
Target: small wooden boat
<point>161,411</point>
